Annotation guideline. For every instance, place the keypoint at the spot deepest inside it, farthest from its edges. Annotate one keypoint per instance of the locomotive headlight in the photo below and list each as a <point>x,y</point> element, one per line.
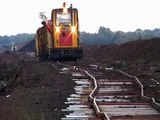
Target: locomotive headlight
<point>73,29</point>
<point>65,11</point>
<point>57,29</point>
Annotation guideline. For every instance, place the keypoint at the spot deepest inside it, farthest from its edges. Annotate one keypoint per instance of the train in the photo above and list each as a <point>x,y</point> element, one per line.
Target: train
<point>58,38</point>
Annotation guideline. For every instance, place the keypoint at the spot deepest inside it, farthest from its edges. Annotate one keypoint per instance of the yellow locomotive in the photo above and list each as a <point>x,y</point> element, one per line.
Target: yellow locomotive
<point>59,37</point>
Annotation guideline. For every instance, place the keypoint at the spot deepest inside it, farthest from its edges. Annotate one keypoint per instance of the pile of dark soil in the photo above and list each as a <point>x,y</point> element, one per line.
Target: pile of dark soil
<point>131,51</point>
<point>28,46</point>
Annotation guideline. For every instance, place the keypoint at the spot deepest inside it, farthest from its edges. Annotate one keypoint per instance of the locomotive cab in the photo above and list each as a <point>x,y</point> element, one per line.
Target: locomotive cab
<point>58,39</point>
<point>65,34</point>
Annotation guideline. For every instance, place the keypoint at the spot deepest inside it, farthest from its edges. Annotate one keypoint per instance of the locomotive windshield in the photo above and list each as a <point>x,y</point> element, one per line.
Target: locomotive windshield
<point>64,19</point>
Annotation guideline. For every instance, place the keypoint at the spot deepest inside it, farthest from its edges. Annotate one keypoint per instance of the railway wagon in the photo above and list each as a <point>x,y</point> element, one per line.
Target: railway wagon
<point>58,39</point>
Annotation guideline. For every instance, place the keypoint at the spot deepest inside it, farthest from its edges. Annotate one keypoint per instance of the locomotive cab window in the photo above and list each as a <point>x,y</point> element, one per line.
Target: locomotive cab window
<point>63,19</point>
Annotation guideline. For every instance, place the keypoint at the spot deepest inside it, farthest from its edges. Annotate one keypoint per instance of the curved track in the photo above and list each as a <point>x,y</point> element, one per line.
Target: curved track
<point>104,93</point>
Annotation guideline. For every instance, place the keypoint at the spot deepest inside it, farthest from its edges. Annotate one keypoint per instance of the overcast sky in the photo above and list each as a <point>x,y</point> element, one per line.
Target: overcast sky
<point>22,16</point>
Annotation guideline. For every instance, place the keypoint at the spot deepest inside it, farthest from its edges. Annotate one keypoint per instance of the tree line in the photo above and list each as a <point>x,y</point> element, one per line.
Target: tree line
<point>104,36</point>
<point>8,41</point>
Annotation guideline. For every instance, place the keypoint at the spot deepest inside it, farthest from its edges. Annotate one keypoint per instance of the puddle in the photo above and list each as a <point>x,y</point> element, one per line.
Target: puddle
<point>82,83</point>
<point>74,102</point>
<point>77,75</point>
<point>75,95</point>
<point>111,68</point>
<point>80,79</point>
<point>112,100</point>
<point>65,69</point>
<point>112,88</point>
<point>115,83</point>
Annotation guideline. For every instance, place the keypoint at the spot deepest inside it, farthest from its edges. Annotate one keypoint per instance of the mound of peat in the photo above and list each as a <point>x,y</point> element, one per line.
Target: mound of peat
<point>136,50</point>
<point>28,46</point>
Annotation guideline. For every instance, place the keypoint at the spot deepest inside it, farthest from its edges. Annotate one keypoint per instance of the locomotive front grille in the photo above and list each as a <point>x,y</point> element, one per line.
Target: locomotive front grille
<point>66,52</point>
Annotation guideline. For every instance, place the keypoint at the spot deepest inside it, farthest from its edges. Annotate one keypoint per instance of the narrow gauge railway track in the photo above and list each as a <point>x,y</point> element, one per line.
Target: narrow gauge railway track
<point>103,93</point>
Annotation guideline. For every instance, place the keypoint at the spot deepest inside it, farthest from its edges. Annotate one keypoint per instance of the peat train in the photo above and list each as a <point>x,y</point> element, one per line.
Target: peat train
<point>58,38</point>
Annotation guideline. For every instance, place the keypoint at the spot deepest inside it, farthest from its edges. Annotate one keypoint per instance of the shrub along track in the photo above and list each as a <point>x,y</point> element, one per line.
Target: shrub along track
<point>104,93</point>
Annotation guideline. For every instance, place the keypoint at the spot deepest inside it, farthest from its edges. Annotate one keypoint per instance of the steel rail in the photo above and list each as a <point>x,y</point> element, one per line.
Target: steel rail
<point>143,97</point>
<point>151,100</point>
<point>92,98</point>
